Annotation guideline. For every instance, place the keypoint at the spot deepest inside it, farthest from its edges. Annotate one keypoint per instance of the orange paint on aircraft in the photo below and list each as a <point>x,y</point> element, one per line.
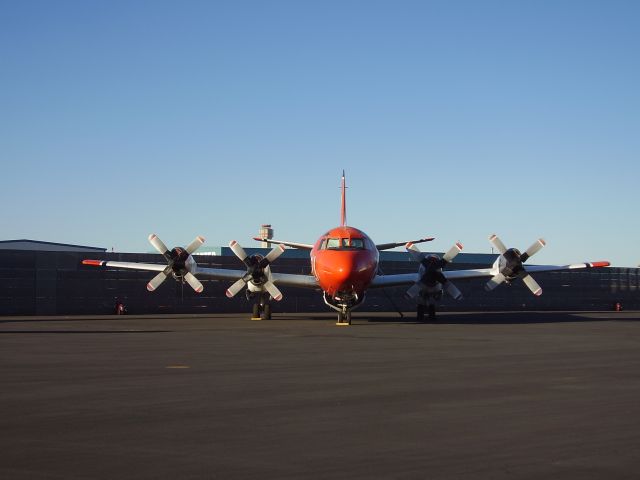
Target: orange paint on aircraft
<point>344,261</point>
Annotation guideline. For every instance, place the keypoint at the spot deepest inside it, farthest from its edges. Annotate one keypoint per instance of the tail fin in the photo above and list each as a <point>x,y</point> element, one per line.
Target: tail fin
<point>343,207</point>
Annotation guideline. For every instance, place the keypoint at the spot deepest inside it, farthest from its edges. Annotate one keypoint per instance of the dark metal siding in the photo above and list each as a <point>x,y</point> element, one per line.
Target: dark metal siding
<point>48,283</point>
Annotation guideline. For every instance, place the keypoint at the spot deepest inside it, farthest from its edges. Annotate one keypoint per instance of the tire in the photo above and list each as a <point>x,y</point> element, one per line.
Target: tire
<point>420,313</point>
<point>256,310</point>
<point>432,312</point>
<point>266,311</point>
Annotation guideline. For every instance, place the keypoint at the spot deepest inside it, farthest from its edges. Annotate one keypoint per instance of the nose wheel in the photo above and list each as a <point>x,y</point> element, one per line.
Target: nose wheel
<point>344,318</point>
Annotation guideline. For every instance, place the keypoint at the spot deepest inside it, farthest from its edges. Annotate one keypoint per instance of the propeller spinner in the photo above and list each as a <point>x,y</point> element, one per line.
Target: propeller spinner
<point>257,271</point>
<point>510,265</point>
<point>431,270</point>
<point>180,263</point>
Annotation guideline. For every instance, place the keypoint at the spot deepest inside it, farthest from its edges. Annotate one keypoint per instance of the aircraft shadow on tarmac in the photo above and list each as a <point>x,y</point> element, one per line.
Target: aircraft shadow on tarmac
<point>491,318</point>
<point>76,332</point>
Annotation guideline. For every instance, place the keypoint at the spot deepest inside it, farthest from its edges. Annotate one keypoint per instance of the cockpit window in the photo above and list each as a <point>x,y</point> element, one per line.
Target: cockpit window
<point>356,243</point>
<point>333,243</point>
<point>343,244</point>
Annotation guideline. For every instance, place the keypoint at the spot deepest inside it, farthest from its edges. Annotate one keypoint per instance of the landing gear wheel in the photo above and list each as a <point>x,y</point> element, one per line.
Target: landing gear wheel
<point>420,313</point>
<point>432,312</point>
<point>256,311</point>
<point>344,318</point>
<point>266,311</point>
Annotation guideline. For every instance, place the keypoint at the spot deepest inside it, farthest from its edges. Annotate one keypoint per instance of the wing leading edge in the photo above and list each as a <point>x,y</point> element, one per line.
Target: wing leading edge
<point>410,278</point>
<point>223,274</point>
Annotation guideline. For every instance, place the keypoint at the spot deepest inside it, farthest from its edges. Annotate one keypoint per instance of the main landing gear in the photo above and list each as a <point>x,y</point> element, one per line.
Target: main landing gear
<point>261,309</point>
<point>430,311</point>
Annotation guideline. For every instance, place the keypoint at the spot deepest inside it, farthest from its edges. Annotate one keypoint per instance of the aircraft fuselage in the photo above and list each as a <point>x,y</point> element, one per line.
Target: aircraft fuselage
<point>344,261</point>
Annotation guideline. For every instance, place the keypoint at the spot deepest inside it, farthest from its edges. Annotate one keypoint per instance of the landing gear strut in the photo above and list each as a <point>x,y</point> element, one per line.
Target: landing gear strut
<point>430,310</point>
<point>344,318</point>
<point>261,309</point>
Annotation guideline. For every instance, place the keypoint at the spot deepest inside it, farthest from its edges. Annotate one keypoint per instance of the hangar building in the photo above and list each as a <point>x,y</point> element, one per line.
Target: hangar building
<point>45,278</point>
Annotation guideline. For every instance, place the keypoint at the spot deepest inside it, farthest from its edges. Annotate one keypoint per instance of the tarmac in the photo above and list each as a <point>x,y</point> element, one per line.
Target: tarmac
<point>524,395</point>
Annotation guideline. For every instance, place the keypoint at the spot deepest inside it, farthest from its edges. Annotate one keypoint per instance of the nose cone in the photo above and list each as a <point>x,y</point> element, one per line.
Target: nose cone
<point>344,271</point>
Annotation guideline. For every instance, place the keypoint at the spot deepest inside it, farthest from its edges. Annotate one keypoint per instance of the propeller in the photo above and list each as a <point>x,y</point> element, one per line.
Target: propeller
<point>258,272</point>
<point>180,263</point>
<point>510,265</point>
<point>430,271</point>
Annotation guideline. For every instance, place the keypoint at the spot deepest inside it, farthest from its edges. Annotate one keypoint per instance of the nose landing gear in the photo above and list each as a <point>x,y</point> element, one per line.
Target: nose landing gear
<point>344,318</point>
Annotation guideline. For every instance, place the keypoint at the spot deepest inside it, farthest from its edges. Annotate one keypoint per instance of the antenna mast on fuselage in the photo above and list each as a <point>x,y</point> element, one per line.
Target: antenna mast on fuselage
<point>343,207</point>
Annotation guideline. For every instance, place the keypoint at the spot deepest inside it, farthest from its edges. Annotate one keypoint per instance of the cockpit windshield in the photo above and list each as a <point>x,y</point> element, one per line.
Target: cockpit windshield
<point>343,244</point>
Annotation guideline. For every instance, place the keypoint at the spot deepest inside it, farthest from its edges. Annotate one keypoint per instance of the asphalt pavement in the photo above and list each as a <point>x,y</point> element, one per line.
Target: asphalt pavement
<point>476,395</point>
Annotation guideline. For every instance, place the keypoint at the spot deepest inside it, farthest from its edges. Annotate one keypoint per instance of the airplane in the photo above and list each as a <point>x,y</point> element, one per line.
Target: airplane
<point>344,265</point>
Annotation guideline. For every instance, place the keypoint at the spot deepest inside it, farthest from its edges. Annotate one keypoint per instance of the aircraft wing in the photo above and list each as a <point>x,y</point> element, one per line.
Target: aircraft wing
<point>282,279</point>
<point>152,267</point>
<point>286,279</point>
<point>302,246</point>
<point>410,278</point>
<point>214,273</point>
<point>387,246</point>
<point>306,246</point>
<point>295,280</point>
<point>573,266</point>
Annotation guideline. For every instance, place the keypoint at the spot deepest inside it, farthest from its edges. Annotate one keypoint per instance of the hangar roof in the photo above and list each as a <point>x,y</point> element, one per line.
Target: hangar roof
<point>38,245</point>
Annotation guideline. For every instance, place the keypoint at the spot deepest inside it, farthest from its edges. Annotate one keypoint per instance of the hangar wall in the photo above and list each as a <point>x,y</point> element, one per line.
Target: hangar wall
<point>56,283</point>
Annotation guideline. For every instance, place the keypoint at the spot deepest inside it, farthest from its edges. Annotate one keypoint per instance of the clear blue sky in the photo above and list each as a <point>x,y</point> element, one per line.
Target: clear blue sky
<point>452,119</point>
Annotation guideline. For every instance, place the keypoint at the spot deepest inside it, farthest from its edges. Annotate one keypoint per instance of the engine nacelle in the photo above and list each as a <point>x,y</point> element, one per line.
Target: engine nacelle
<point>509,264</point>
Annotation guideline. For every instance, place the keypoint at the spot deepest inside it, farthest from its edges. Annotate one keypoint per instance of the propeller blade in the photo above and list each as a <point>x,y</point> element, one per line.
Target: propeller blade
<point>532,284</point>
<point>453,251</point>
<point>273,255</point>
<point>194,282</point>
<point>195,245</point>
<point>158,244</point>
<point>236,287</point>
<point>533,249</point>
<point>414,290</point>
<point>238,250</point>
<point>158,279</point>
<point>494,282</point>
<point>453,291</point>
<point>414,252</point>
<point>273,291</point>
<point>497,244</point>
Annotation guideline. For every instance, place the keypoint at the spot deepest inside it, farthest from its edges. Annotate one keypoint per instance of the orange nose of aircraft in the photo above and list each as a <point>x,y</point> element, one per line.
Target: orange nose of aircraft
<point>345,271</point>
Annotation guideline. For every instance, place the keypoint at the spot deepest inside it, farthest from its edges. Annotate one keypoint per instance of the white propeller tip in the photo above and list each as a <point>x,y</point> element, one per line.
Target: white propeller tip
<point>538,292</point>
<point>232,243</point>
<point>277,298</point>
<point>150,287</point>
<point>228,294</point>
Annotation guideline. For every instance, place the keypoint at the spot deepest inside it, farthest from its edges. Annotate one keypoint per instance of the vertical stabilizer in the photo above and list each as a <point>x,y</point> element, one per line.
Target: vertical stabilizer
<point>343,207</point>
